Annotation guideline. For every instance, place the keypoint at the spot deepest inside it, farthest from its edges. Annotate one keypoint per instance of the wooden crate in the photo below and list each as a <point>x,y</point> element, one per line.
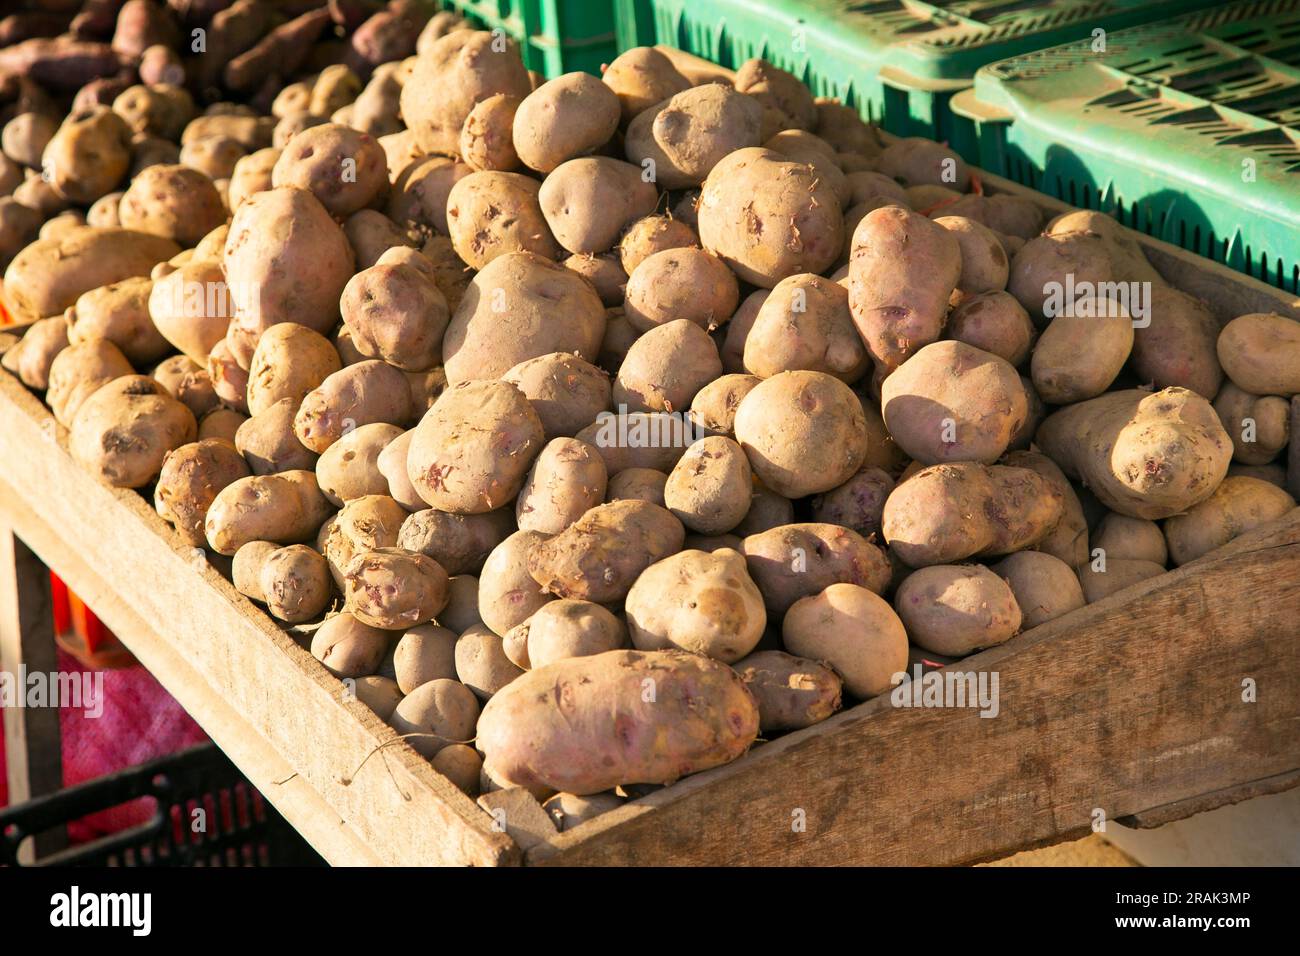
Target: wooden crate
<point>1131,708</point>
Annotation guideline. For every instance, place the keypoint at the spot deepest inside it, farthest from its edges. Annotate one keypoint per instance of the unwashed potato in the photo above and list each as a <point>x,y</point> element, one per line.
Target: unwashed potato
<point>675,284</point>
<point>769,218</point>
<point>391,465</point>
<point>794,561</point>
<point>424,653</point>
<point>1130,539</point>
<point>791,692</point>
<point>508,595</point>
<point>640,78</point>
<point>481,662</point>
<point>356,395</point>
<point>1176,343</point>
<point>286,508</point>
<point>567,479</point>
<point>345,168</point>
<point>290,360</point>
<point>566,392</point>
<point>189,481</point>
<point>1261,354</point>
<point>569,628</point>
<point>32,356</point>
<point>491,214</point>
<point>349,468</point>
<point>804,432</point>
<point>1259,425</point>
<point>984,263</point>
<point>665,367</point>
<point>1237,505</point>
<point>394,589</point>
<point>349,648</point>
<point>640,484</point>
<point>371,234</point>
<point>268,442</point>
<point>436,715</point>
<point>1101,579</point>
<point>78,371</point>
<point>653,234</point>
<point>683,138</point>
<point>714,406</point>
<point>569,116</point>
<point>853,631</point>
<point>710,488</point>
<point>948,513</point>
<point>993,322</point>
<point>369,523</point>
<point>487,138</point>
<point>589,201</point>
<point>600,556</point>
<point>460,543</point>
<point>295,584</point>
<point>88,155</point>
<point>953,402</point>
<point>1078,356</point>
<point>1044,587</point>
<point>396,312</point>
<point>805,324</point>
<point>420,191</point>
<point>604,272</point>
<point>461,612</point>
<point>858,504</point>
<point>957,609</point>
<point>175,202</point>
<point>1143,454</point>
<point>189,382</point>
<point>122,432</point>
<point>119,312</point>
<point>569,810</point>
<point>699,602</point>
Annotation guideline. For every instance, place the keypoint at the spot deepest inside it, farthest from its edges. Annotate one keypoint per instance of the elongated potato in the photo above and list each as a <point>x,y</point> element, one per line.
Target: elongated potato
<point>1078,356</point>
<point>1176,346</point>
<point>1102,579</point>
<point>287,508</point>
<point>1237,505</point>
<point>791,692</point>
<point>508,594</point>
<point>356,395</point>
<point>1069,539</point>
<point>567,479</point>
<point>699,716</point>
<point>853,631</point>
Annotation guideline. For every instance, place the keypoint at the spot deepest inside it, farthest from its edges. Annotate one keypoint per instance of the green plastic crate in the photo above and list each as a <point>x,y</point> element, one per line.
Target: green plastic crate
<point>897,61</point>
<point>554,36</point>
<point>1188,130</point>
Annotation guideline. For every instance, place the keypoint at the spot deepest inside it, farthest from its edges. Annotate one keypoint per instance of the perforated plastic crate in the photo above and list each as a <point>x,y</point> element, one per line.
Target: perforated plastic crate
<point>1188,130</point>
<point>554,36</point>
<point>897,61</point>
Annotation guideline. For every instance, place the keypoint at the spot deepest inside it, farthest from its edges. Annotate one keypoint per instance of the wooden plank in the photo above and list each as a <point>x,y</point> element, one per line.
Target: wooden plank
<point>33,742</point>
<point>222,657</point>
<point>1128,704</point>
<point>1182,809</point>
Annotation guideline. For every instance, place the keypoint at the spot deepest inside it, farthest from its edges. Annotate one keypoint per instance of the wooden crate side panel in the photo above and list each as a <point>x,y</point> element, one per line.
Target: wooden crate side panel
<point>1131,703</point>
<point>407,813</point>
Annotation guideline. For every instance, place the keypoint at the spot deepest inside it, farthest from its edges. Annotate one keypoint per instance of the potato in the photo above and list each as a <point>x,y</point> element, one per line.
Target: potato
<point>1238,505</point>
<point>567,479</point>
<point>1176,345</point>
<point>565,391</point>
<point>642,77</point>
<point>229,381</point>
<point>344,168</point>
<point>1069,539</point>
<point>1261,353</point>
<point>123,431</point>
<point>665,367</point>
<point>588,202</point>
<point>1079,356</point>
<point>369,523</point>
<point>1049,265</point>
<point>214,156</point>
<point>952,402</point>
<point>460,543</point>
<point>287,508</point>
<point>903,269</point>
<point>31,357</point>
<point>25,137</point>
<point>710,487</point>
<point>599,556</point>
<point>791,692</point>
<point>175,202</point>
<point>1142,454</point>
<point>507,594</point>
<point>570,810</point>
<point>424,653</point>
<point>252,174</point>
<point>88,155</point>
<point>681,139</point>
<point>471,452</point>
<point>637,484</point>
<point>1130,539</point>
<point>699,602</point>
<point>394,589</point>
<point>382,695</point>
<point>355,395</point>
<point>1044,587</point>
<point>803,147</point>
<point>947,513</point>
<point>396,312</point>
<point>570,116</point>
<point>280,274</point>
<point>957,609</point>
<point>391,466</point>
<point>191,308</point>
<point>768,218</point>
<point>1102,580</point>
<point>436,715</point>
<point>776,89</point>
<point>220,423</point>
<point>1259,426</point>
<point>487,138</point>
<point>421,189</point>
<point>349,648</point>
<point>491,214</point>
<point>246,568</point>
<point>451,77</point>
<point>604,272</point>
<point>568,628</point>
<point>598,730</point>
<point>804,432</point>
<point>805,324</point>
<point>461,612</point>
<point>191,477</point>
<point>680,284</point>
<point>461,764</point>
<point>119,312</point>
<point>19,225</point>
<point>714,406</point>
<point>857,504</point>
<point>189,383</point>
<point>78,371</point>
<point>984,263</point>
<point>993,322</point>
<point>268,442</point>
<point>915,161</point>
<point>738,329</point>
<point>349,468</point>
<point>289,362</point>
<point>853,631</point>
<point>767,510</point>
<point>104,210</point>
<point>481,662</point>
<point>796,560</point>
<point>49,275</point>
<point>295,583</point>
<point>655,234</point>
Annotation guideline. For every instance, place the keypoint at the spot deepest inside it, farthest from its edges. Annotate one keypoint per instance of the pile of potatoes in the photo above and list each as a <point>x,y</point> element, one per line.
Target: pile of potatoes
<point>590,429</point>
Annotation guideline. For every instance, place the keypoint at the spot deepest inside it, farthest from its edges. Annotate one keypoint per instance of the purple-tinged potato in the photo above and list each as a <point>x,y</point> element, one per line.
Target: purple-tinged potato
<point>356,395</point>
<point>229,381</point>
<point>508,594</point>
<point>798,560</point>
<point>287,508</point>
<point>984,264</point>
<point>487,138</point>
<point>344,168</point>
<point>993,322</point>
<point>391,464</point>
<point>792,692</point>
<point>460,543</point>
<point>369,523</point>
<point>191,477</point>
<point>420,191</point>
<point>295,584</point>
<point>853,631</point>
<point>682,283</point>
<point>123,432</point>
<point>738,329</point>
<point>396,312</point>
<point>349,648</point>
<point>916,161</point>
<point>585,725</point>
<point>957,609</point>
<point>394,589</point>
<point>857,504</point>
<point>1177,345</point>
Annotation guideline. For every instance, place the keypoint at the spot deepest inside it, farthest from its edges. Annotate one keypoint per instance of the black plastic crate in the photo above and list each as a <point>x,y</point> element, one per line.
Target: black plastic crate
<point>242,828</point>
